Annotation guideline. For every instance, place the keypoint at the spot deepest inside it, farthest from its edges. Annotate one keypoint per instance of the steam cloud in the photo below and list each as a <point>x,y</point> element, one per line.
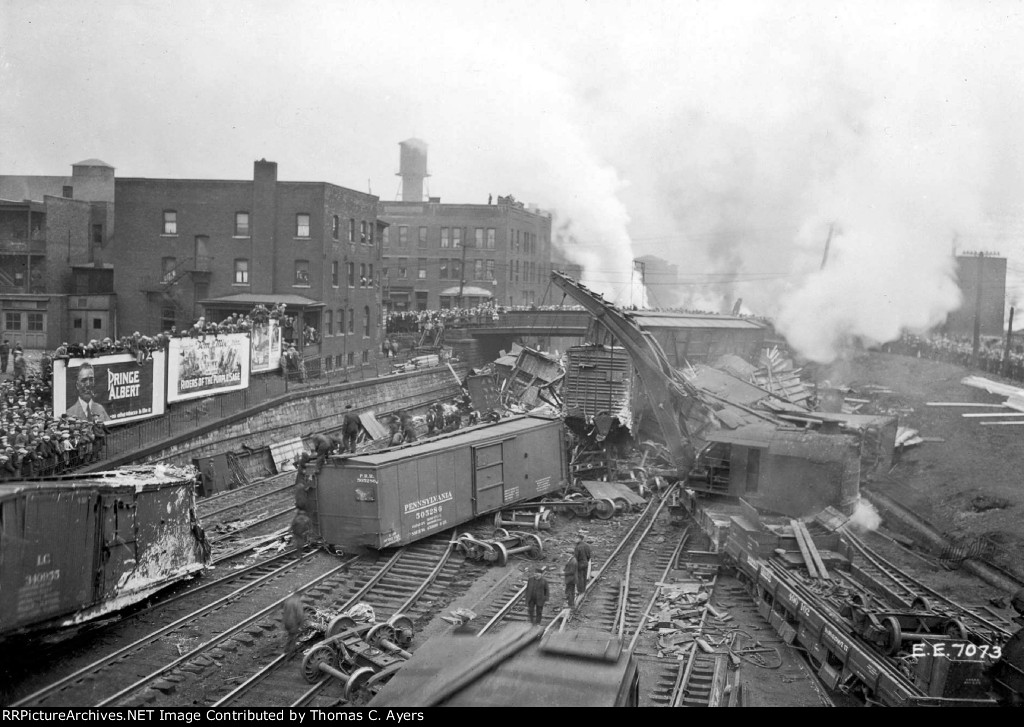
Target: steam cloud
<point>865,517</point>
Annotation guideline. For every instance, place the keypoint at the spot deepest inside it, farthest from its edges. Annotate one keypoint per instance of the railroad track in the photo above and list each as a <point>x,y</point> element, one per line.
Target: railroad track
<point>160,661</point>
<point>900,589</point>
<point>223,502</point>
<point>408,584</point>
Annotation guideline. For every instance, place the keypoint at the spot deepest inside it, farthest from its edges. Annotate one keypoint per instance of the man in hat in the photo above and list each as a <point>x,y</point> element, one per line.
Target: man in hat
<point>536,595</point>
<point>300,529</point>
<point>582,554</point>
<point>323,444</point>
<point>350,429</point>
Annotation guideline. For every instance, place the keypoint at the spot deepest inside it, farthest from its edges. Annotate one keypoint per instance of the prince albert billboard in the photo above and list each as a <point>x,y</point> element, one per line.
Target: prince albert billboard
<point>198,367</point>
<point>114,389</point>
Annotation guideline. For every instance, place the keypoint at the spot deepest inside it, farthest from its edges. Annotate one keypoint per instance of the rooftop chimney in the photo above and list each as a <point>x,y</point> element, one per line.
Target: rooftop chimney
<point>412,168</point>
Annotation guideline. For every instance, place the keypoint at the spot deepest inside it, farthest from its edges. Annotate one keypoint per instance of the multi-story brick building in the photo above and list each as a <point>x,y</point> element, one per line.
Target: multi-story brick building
<point>54,284</point>
<point>187,247</point>
<point>458,255</point>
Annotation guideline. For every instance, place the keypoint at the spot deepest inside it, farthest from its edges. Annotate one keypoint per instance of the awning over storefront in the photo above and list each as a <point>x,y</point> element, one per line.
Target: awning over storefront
<point>470,291</point>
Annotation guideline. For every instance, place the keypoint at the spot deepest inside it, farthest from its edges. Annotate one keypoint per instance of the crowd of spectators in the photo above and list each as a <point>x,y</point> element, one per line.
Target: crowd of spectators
<point>33,442</point>
<point>992,356</point>
<point>487,313</point>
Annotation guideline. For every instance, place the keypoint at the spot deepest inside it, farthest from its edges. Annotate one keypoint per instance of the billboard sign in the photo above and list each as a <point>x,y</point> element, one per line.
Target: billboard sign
<point>266,346</point>
<point>198,367</point>
<point>115,389</point>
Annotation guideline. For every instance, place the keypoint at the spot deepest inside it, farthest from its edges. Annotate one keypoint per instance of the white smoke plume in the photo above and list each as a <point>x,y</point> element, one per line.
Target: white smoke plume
<point>865,517</point>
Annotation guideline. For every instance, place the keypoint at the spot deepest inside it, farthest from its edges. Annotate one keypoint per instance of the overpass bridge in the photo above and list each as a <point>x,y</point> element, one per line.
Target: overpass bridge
<point>532,323</point>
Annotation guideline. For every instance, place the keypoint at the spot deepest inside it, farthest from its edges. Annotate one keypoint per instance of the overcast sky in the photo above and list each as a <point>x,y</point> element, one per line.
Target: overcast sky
<point>727,137</point>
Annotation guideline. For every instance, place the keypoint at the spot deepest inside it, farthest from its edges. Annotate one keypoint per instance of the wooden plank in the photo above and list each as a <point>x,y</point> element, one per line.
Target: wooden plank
<point>962,403</point>
<point>815,555</point>
<point>808,560</point>
<point>977,415</point>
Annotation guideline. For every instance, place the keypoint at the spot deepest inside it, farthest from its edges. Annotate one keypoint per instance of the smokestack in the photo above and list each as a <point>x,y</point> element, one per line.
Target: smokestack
<point>412,168</point>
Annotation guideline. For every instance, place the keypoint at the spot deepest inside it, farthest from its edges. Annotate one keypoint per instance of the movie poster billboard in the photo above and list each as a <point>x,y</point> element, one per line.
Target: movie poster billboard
<point>266,346</point>
<point>116,389</point>
<point>198,367</point>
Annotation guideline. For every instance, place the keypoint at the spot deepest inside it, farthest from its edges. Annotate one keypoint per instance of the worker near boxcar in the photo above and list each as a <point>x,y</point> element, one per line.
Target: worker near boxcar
<point>569,572</point>
<point>301,525</point>
<point>536,595</point>
<point>582,554</point>
<point>323,444</point>
<point>293,614</point>
<point>350,429</point>
<point>408,426</point>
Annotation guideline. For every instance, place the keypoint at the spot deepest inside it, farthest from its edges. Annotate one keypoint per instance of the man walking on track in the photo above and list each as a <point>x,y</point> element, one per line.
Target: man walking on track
<point>582,554</point>
<point>294,617</point>
<point>569,572</point>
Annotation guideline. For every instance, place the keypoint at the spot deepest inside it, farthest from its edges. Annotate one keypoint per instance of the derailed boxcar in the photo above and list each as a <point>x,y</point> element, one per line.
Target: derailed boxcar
<point>75,548</point>
<point>400,495</point>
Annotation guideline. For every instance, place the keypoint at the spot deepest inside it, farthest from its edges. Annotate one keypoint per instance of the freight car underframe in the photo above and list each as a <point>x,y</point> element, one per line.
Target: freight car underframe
<point>842,660</point>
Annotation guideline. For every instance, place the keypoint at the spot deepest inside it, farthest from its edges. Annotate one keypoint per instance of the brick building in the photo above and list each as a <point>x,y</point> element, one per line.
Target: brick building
<point>187,247</point>
<point>434,253</point>
<point>54,284</point>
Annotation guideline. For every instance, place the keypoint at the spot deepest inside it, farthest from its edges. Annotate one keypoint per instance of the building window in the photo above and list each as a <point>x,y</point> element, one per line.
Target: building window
<point>351,274</point>
<point>445,242</point>
<point>442,269</point>
<point>386,237</point>
<point>79,322</point>
<point>403,236</point>
<point>167,266</point>
<point>350,360</point>
<point>351,320</point>
<point>68,192</point>
<point>490,238</point>
<point>241,224</point>
<point>456,270</point>
<point>302,225</point>
<point>456,237</point>
<point>370,280</point>
<point>478,270</point>
<point>423,237</point>
<point>334,273</point>
<point>362,232</point>
<point>335,227</point>
<point>369,233</point>
<point>167,318</point>
<point>362,275</point>
<point>352,229</point>
<point>421,269</point>
<point>35,321</point>
<point>403,271</point>
<point>12,321</point>
<point>327,363</point>
<point>490,270</point>
<point>97,234</point>
<point>341,327</point>
<point>366,356</point>
<point>301,273</point>
<point>241,271</point>
<point>366,321</point>
<point>337,361</point>
<point>328,325</point>
<point>170,222</point>
<point>478,238</point>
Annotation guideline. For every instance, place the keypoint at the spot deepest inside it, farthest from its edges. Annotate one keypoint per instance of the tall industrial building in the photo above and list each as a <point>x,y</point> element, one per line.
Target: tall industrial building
<point>442,255</point>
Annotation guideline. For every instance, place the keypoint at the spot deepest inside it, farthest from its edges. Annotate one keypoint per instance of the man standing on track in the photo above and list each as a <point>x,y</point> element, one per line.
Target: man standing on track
<point>293,614</point>
<point>569,571</point>
<point>536,595</point>
<point>350,430</point>
<point>582,554</point>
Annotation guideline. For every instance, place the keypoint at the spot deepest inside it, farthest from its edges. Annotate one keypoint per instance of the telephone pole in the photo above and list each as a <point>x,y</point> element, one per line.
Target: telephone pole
<point>462,272</point>
<point>977,312</point>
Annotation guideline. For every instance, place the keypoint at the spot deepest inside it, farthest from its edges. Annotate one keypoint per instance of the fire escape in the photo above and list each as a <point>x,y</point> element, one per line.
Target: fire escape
<point>167,289</point>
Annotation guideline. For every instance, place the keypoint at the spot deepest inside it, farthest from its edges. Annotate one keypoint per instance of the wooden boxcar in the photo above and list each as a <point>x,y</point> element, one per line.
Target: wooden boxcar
<point>74,548</point>
<point>518,667</point>
<point>397,496</point>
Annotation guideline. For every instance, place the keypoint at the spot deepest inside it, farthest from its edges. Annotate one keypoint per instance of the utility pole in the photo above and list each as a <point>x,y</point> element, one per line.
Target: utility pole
<point>828,243</point>
<point>977,312</point>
